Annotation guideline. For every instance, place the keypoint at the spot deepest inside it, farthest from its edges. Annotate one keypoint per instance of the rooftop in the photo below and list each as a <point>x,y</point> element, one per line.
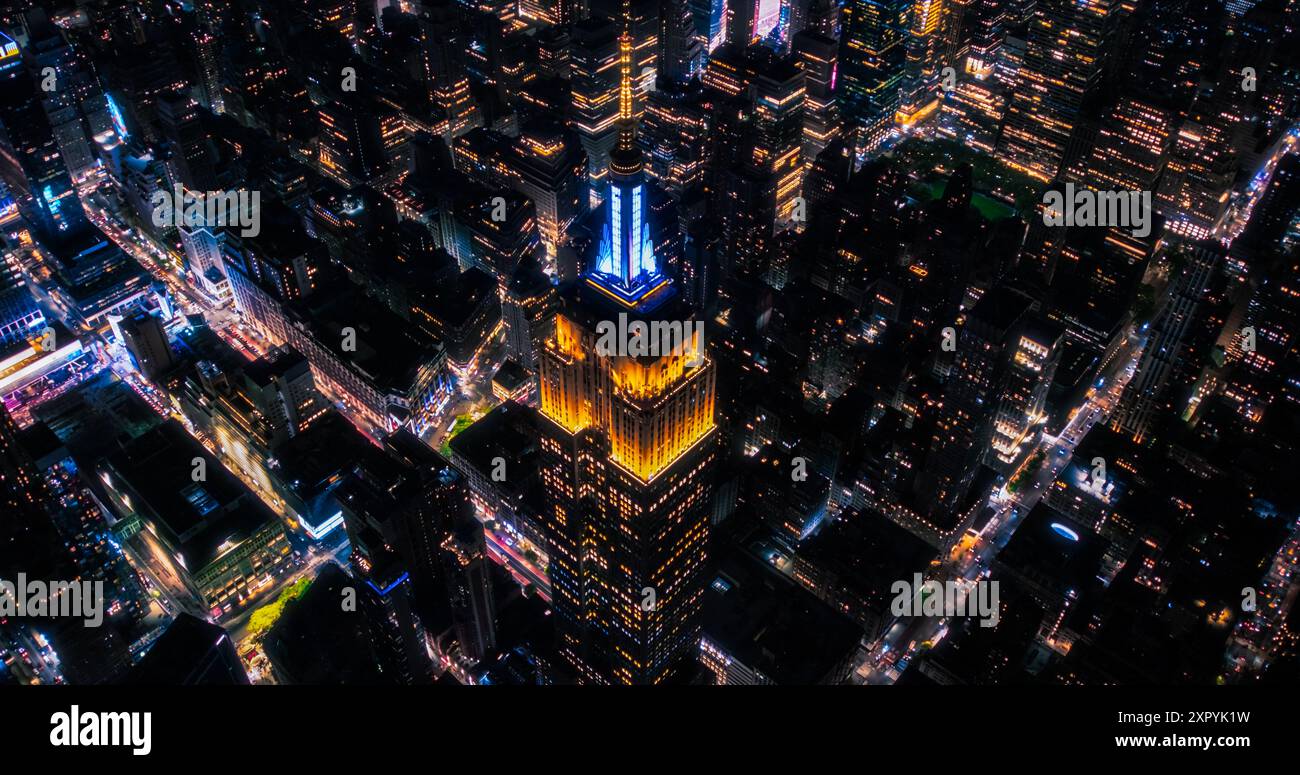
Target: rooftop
<point>205,517</point>
<point>765,621</point>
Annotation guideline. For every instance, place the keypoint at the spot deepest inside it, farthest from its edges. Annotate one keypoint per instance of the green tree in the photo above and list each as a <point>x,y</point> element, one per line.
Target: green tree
<point>1144,305</point>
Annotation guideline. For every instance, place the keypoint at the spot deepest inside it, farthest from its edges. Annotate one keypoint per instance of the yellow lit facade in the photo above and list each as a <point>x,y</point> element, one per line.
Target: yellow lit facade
<point>652,410</point>
<point>627,444</point>
<point>919,97</point>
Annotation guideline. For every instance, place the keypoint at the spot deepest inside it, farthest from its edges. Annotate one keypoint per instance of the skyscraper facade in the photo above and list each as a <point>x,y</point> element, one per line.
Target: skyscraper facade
<point>919,91</point>
<point>31,165</point>
<point>627,444</point>
<point>871,63</point>
<point>593,106</point>
<point>1063,64</point>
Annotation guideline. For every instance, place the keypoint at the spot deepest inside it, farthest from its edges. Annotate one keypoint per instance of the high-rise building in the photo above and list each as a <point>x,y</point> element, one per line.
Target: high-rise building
<point>765,138</point>
<point>1064,56</point>
<point>544,164</point>
<point>281,388</point>
<point>397,508</point>
<point>644,18</point>
<point>93,277</point>
<point>1193,192</point>
<point>741,18</point>
<point>1131,147</point>
<point>986,30</point>
<point>627,448</point>
<point>417,549</point>
<point>1147,394</point>
<point>20,315</point>
<point>146,78</point>
<point>679,47</point>
<point>336,15</point>
<point>248,409</point>
<point>70,132</point>
<point>213,541</point>
<point>557,13</point>
<point>710,18</point>
<point>206,50</point>
<point>1011,57</point>
<point>351,141</point>
<point>972,114</point>
<point>674,135</point>
<point>469,585</point>
<point>191,652</point>
<point>817,56</point>
<point>955,23</point>
<point>74,85</point>
<point>919,90</point>
<point>387,601</point>
<point>1022,397</point>
<point>963,430</point>
<point>282,256</point>
<point>823,18</point>
<point>203,247</point>
<point>727,75</point>
<point>745,202</point>
<point>871,65</point>
<point>432,501</point>
<point>455,111</point>
<point>551,170</point>
<point>528,314</point>
<point>193,161</point>
<point>146,340</point>
<point>699,268</point>
<point>497,230</point>
<point>31,165</point>
<point>779,120</point>
<point>594,95</point>
<point>386,372</point>
<point>553,55</point>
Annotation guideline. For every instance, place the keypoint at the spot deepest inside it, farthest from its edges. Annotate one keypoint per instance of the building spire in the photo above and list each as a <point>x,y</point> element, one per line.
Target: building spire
<point>626,95</point>
<point>626,267</point>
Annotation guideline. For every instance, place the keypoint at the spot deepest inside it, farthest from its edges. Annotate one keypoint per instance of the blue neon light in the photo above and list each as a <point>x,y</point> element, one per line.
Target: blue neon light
<point>625,263</point>
<point>615,263</point>
<point>1062,530</point>
<point>384,592</point>
<point>119,123</point>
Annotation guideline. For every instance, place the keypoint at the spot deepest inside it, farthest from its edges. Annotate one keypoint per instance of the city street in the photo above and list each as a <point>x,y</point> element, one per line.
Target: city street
<point>891,655</point>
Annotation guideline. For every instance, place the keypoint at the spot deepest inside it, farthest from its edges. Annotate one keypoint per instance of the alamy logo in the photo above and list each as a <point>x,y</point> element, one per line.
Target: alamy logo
<point>1085,207</point>
<point>660,337</point>
<point>45,600</point>
<point>98,728</point>
<point>192,209</point>
<point>950,598</point>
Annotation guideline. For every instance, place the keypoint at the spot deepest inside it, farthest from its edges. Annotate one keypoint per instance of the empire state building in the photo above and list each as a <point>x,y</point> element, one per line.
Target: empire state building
<point>628,447</point>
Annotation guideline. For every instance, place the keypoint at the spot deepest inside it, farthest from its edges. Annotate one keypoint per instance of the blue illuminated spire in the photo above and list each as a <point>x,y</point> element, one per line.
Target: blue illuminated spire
<point>625,265</point>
